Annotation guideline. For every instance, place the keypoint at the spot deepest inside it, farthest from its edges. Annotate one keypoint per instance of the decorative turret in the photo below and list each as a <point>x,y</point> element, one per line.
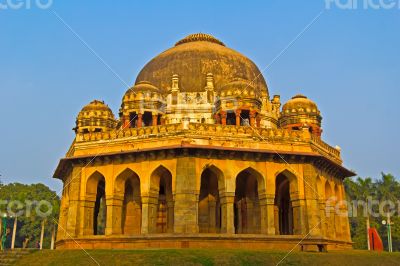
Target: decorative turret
<point>300,112</point>
<point>95,117</point>
<point>142,105</point>
<point>210,88</point>
<point>239,104</point>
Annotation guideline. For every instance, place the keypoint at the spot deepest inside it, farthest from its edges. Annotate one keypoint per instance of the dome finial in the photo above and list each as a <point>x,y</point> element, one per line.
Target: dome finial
<point>199,37</point>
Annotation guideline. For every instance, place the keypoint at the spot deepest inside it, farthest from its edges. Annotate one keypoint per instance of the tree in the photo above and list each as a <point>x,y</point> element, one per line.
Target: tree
<point>361,191</point>
<point>383,189</point>
<point>29,223</point>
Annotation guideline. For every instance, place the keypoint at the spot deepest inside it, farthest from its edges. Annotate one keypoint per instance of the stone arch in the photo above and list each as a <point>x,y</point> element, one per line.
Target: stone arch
<point>161,203</point>
<point>127,187</point>
<point>320,187</point>
<point>218,173</point>
<point>292,177</point>
<point>283,203</point>
<point>329,210</point>
<point>338,193</point>
<point>212,183</point>
<point>96,212</point>
<point>247,212</point>
<point>328,190</point>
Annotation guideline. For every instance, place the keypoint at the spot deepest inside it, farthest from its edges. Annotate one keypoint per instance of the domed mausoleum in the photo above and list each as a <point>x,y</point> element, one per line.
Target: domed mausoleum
<point>202,156</point>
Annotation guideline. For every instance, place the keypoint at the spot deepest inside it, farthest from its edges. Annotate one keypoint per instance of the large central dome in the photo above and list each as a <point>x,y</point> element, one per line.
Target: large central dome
<point>192,58</point>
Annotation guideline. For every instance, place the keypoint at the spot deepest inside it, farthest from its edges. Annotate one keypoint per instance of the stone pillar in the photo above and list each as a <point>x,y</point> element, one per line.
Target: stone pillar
<point>239,211</point>
<point>211,215</point>
<point>313,217</point>
<point>338,227</point>
<point>223,117</point>
<point>170,216</point>
<point>63,217</point>
<point>252,118</point>
<point>114,215</point>
<point>139,120</point>
<point>145,215</point>
<point>74,201</point>
<point>186,197</point>
<point>88,213</point>
<point>217,119</point>
<point>237,113</point>
<point>250,213</point>
<point>149,214</point>
<point>227,213</point>
<point>330,218</point>
<point>323,221</point>
<point>155,118</point>
<point>268,207</point>
<point>258,120</point>
<point>127,123</point>
<point>276,220</point>
<point>299,217</point>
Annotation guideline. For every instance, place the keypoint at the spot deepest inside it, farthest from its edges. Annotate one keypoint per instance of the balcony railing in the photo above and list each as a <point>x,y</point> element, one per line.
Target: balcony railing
<point>213,130</point>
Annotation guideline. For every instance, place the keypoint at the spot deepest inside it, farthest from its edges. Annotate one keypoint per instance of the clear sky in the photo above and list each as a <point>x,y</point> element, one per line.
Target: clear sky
<point>347,61</point>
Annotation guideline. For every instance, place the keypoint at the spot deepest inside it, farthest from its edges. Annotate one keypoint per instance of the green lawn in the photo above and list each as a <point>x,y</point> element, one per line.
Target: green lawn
<point>205,257</point>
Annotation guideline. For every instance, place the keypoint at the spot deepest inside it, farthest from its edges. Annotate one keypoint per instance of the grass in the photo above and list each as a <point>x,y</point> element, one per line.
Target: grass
<point>179,257</point>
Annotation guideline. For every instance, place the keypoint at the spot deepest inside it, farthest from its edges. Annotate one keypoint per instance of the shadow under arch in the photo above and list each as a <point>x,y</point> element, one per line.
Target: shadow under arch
<point>97,208</point>
<point>328,190</point>
<point>212,185</point>
<point>320,187</point>
<point>127,187</point>
<point>161,219</point>
<point>247,212</point>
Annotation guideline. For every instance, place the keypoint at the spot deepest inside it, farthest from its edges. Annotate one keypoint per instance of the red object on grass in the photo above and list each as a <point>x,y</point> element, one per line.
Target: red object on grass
<point>375,240</point>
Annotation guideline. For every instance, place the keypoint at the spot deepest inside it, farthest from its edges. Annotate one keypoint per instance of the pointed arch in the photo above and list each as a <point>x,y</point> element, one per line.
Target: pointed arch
<point>209,207</point>
<point>283,204</point>
<point>258,176</point>
<point>127,186</point>
<point>92,181</point>
<point>292,177</point>
<point>338,193</point>
<point>328,190</point>
<point>161,219</point>
<point>218,173</point>
<point>122,177</point>
<point>247,212</point>
<point>320,187</point>
<point>96,196</point>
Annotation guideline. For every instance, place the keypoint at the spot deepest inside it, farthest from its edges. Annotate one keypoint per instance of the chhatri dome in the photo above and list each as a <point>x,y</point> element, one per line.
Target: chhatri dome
<point>200,156</point>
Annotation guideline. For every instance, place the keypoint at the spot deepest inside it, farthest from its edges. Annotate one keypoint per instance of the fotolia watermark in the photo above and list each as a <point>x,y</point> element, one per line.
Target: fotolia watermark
<point>25,4</point>
<point>16,208</point>
<point>363,4</point>
<point>359,208</point>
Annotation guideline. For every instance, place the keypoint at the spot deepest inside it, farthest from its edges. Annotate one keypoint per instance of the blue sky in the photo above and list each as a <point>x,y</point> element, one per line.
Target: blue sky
<point>347,61</point>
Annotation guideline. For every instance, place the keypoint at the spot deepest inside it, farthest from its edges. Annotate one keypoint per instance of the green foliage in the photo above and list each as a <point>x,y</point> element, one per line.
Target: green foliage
<point>30,218</point>
<point>387,188</point>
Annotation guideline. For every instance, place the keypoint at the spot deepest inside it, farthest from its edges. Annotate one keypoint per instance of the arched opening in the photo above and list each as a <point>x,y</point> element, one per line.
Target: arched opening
<point>209,208</point>
<point>245,118</point>
<point>128,185</point>
<point>283,205</point>
<point>133,118</point>
<point>95,188</point>
<point>161,220</point>
<point>247,210</point>
<point>230,118</point>
<point>147,119</point>
<point>328,191</point>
